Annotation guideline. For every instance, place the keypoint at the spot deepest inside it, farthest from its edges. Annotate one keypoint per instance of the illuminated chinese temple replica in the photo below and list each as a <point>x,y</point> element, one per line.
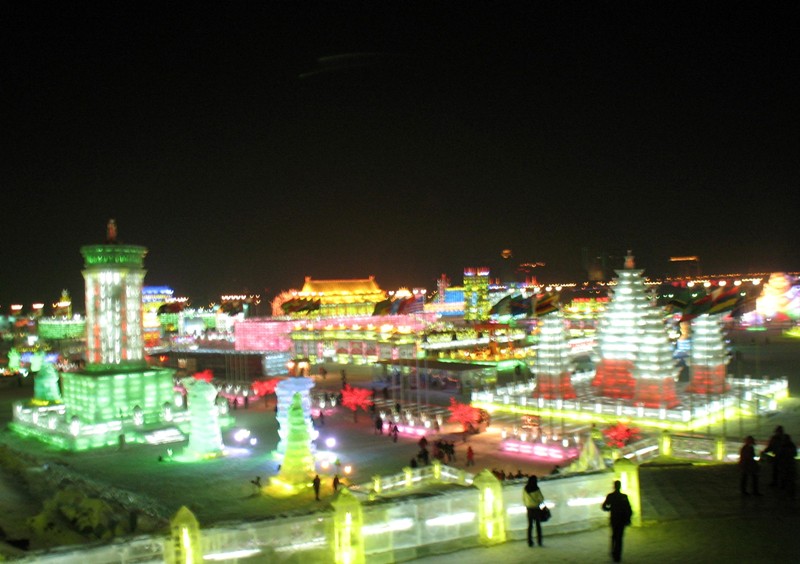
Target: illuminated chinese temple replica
<point>330,298</point>
<point>117,396</point>
<point>552,364</point>
<point>636,376</point>
<point>708,359</point>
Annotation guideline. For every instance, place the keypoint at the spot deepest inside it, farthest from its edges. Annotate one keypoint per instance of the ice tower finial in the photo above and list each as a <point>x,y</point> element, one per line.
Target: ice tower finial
<point>111,231</point>
<point>629,260</point>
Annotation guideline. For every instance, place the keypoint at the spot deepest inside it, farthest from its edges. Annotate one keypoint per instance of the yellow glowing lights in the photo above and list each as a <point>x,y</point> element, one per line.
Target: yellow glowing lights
<point>186,541</point>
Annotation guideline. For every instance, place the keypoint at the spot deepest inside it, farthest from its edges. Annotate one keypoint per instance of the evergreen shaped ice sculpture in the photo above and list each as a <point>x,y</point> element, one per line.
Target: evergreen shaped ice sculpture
<point>298,461</point>
<point>205,436</point>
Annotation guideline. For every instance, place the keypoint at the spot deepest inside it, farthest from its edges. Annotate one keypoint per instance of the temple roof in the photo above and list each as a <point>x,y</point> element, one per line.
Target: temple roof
<point>333,287</point>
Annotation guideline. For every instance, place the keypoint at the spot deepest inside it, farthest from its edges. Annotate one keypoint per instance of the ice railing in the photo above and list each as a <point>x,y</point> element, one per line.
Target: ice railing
<point>682,446</point>
<point>401,528</point>
<point>410,478</point>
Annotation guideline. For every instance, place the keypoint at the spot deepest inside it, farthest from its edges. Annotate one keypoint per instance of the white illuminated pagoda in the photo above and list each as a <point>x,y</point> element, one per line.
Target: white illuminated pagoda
<point>708,359</point>
<point>552,364</point>
<point>618,333</point>
<point>655,369</point>
<point>636,361</point>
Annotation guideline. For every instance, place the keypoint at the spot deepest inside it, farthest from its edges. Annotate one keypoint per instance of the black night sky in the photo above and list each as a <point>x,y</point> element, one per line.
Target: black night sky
<point>250,145</point>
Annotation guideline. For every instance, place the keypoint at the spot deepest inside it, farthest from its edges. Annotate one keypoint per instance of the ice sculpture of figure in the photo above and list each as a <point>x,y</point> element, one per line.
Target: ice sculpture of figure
<point>205,437</point>
<point>45,384</point>
<point>298,461</point>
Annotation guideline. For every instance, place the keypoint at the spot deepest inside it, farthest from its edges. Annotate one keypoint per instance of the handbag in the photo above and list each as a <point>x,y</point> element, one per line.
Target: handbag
<point>544,513</point>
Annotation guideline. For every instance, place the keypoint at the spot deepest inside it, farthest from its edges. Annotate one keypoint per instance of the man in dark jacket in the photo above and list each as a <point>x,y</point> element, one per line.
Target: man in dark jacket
<point>620,508</point>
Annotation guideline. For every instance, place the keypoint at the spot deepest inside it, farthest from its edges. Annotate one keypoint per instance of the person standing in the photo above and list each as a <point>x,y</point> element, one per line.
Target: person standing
<point>773,446</point>
<point>470,456</point>
<point>620,508</point>
<point>784,461</point>
<point>316,484</point>
<point>335,483</point>
<point>533,498</point>
<point>748,466</point>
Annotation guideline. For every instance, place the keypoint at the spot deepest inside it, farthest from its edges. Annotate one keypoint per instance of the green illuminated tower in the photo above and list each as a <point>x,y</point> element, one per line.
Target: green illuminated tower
<point>116,384</point>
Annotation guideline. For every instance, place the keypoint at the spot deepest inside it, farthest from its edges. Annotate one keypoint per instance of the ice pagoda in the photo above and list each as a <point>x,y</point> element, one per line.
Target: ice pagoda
<point>552,365</point>
<point>708,357</point>
<point>636,361</point>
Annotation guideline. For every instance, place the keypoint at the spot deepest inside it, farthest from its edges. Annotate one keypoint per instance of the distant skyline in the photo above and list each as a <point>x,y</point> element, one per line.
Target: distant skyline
<point>250,146</point>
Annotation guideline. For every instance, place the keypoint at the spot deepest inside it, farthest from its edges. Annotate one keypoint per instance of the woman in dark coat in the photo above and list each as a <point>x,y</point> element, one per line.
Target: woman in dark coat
<point>533,498</point>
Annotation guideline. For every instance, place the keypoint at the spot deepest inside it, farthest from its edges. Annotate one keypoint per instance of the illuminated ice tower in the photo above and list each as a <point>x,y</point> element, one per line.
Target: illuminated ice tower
<point>655,368</point>
<point>709,358</point>
<point>114,276</point>
<point>552,365</point>
<point>618,334</point>
<point>116,384</point>
<point>635,353</point>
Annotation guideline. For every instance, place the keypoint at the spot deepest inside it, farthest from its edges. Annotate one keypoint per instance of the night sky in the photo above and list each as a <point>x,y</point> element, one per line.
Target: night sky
<point>249,146</point>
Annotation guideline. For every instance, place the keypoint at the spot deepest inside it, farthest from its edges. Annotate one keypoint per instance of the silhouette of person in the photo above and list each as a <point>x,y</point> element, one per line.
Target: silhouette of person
<point>748,466</point>
<point>784,460</point>
<point>336,482</point>
<point>620,508</point>
<point>316,484</point>
<point>533,498</point>
<point>470,456</point>
<point>773,446</point>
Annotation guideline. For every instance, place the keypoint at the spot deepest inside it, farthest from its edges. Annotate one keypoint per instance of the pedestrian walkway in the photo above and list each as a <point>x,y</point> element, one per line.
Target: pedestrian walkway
<point>691,513</point>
